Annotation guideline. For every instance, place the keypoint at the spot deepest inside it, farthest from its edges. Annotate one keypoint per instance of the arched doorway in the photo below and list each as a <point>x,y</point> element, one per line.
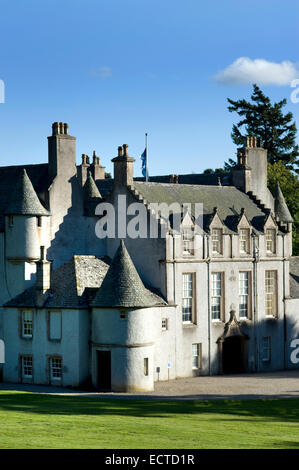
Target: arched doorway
<point>233,348</point>
<point>233,355</point>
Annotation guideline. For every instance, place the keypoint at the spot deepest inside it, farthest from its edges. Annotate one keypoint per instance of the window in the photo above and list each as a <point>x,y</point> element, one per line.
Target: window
<point>244,294</point>
<point>196,356</point>
<point>55,326</point>
<point>270,241</point>
<point>27,367</point>
<point>145,366</point>
<point>39,221</point>
<point>266,349</point>
<point>244,240</point>
<point>56,368</point>
<point>216,241</point>
<point>217,299</point>
<point>271,293</point>
<point>188,240</point>
<point>10,220</point>
<point>164,324</point>
<point>188,298</point>
<point>27,324</point>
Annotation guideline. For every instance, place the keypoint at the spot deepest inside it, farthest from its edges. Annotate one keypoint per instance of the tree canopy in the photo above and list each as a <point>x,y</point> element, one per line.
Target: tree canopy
<point>263,119</point>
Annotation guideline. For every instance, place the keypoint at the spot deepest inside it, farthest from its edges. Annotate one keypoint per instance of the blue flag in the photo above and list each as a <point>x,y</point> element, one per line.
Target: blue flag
<point>144,163</point>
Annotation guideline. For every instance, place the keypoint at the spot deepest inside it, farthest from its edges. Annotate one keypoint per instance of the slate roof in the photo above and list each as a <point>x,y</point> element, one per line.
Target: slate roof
<point>294,277</point>
<point>90,189</point>
<point>122,286</point>
<point>281,208</point>
<point>91,196</point>
<point>24,200</point>
<point>38,175</point>
<point>72,284</point>
<point>228,199</point>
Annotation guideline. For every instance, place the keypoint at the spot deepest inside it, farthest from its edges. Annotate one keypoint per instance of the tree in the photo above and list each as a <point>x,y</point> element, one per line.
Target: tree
<point>263,119</point>
<point>289,185</point>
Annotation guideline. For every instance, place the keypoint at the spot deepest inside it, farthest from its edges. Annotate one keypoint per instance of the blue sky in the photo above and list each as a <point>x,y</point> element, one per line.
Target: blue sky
<point>115,69</point>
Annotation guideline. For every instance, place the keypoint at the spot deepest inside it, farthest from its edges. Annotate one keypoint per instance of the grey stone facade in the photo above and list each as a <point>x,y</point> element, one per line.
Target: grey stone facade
<point>121,313</point>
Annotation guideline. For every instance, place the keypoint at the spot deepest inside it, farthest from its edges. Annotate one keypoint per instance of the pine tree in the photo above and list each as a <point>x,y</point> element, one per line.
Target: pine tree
<point>263,119</point>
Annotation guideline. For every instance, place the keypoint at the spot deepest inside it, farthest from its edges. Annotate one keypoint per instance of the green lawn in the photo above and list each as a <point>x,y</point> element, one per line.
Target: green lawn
<point>30,420</point>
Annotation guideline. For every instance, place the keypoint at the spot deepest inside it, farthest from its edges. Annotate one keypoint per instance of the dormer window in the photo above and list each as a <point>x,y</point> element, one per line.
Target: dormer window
<point>270,241</point>
<point>188,241</point>
<point>244,240</point>
<point>216,241</point>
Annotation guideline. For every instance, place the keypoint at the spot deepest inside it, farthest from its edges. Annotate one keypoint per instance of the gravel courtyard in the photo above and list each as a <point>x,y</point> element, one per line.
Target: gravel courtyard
<point>284,384</point>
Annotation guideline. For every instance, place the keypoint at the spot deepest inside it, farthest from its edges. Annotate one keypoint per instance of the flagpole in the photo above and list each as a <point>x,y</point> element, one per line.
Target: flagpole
<point>146,172</point>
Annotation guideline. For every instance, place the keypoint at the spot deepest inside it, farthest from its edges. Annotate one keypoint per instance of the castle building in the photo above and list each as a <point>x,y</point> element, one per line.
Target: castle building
<point>123,311</point>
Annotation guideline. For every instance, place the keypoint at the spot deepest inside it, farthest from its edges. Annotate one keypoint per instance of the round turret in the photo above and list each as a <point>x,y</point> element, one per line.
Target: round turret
<point>23,220</point>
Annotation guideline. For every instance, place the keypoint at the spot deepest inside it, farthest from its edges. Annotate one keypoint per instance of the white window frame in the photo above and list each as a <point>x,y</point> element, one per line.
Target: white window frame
<point>55,369</point>
<point>271,285</point>
<point>27,324</point>
<point>270,241</point>
<point>244,294</point>
<point>196,356</point>
<point>188,298</point>
<point>27,365</point>
<point>187,237</point>
<point>217,288</point>
<point>244,241</point>
<point>217,241</point>
<point>266,348</point>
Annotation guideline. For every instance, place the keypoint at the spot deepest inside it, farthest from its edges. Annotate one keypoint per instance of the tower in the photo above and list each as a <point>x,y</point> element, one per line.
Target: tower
<point>25,231</point>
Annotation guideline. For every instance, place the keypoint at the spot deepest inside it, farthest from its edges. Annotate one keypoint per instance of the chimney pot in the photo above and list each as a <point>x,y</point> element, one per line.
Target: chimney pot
<point>55,128</point>
<point>120,151</point>
<point>125,147</point>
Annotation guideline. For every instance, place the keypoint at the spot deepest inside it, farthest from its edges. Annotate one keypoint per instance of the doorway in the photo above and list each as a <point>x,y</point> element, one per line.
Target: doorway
<point>104,371</point>
<point>234,355</point>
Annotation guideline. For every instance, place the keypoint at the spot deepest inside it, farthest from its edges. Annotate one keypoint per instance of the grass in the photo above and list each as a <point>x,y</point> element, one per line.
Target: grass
<point>36,421</point>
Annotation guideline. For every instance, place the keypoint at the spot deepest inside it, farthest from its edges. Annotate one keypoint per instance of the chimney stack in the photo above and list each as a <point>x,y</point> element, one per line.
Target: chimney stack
<point>83,169</point>
<point>123,167</point>
<point>250,174</point>
<point>62,152</point>
<point>97,170</point>
<point>43,271</point>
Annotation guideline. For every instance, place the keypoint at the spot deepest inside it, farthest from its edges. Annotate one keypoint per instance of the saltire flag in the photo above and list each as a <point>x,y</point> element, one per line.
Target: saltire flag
<point>143,157</point>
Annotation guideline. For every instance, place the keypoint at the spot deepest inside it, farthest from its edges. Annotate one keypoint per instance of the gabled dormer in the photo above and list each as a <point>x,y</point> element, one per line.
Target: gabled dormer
<point>270,235</point>
<point>244,232</point>
<point>216,228</point>
<point>187,234</point>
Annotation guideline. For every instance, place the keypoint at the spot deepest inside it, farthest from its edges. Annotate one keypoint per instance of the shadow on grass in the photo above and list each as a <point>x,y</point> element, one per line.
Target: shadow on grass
<point>269,409</point>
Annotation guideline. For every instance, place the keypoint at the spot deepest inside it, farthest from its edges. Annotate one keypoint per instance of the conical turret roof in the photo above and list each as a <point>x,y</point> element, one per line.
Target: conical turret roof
<point>24,200</point>
<point>122,286</point>
<point>90,189</point>
<point>281,208</point>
